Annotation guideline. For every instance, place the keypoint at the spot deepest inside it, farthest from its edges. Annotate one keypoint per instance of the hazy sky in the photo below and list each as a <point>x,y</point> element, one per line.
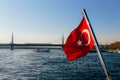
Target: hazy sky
<point>38,21</point>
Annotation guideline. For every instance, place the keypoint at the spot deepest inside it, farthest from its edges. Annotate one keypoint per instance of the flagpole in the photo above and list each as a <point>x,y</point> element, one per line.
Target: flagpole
<point>97,47</point>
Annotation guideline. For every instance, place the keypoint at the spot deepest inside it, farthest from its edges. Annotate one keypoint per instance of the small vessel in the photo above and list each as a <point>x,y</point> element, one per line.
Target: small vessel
<point>118,52</point>
<point>42,50</point>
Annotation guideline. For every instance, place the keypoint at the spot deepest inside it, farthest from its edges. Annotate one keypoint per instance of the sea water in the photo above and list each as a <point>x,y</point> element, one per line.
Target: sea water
<point>26,64</point>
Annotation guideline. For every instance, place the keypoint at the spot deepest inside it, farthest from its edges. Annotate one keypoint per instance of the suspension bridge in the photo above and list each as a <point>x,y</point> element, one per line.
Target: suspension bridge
<point>13,45</point>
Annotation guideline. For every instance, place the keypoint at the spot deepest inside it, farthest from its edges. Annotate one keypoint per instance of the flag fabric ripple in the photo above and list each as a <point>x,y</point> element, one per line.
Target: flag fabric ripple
<point>79,42</point>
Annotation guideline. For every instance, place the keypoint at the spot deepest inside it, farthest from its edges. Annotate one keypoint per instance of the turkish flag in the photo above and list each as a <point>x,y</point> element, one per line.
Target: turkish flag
<point>79,42</point>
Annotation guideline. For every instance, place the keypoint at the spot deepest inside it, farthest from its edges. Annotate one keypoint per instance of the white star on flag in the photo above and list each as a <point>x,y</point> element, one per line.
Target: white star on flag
<point>79,43</point>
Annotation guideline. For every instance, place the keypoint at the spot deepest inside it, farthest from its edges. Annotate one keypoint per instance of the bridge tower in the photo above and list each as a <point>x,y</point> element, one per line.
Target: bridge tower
<point>63,39</point>
<point>12,43</point>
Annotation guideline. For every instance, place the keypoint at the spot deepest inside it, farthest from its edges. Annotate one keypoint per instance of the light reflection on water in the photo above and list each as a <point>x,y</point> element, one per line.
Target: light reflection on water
<point>25,64</point>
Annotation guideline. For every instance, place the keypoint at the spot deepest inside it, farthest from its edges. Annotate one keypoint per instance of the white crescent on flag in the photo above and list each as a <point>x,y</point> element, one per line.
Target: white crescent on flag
<point>86,31</point>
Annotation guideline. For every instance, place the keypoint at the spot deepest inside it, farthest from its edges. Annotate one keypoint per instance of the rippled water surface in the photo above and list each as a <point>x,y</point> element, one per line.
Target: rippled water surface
<point>23,64</point>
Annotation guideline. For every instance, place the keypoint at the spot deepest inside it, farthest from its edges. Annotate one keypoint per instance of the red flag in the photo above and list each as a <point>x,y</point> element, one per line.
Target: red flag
<point>79,43</point>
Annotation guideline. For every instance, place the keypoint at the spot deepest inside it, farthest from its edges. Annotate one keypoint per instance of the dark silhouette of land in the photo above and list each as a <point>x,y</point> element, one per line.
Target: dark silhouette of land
<point>30,46</point>
<point>113,47</point>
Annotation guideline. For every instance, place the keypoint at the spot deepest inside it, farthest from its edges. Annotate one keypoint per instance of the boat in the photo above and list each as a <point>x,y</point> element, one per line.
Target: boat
<point>119,52</point>
<point>42,50</point>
